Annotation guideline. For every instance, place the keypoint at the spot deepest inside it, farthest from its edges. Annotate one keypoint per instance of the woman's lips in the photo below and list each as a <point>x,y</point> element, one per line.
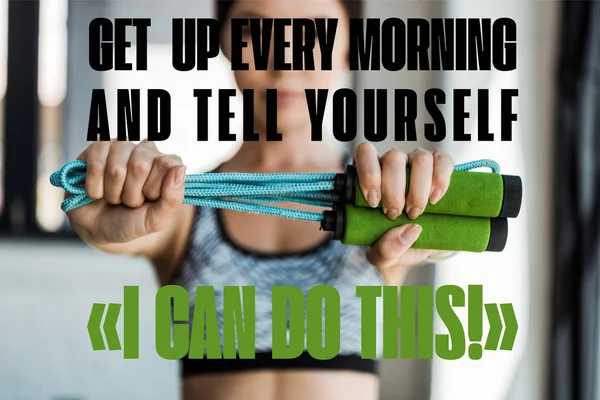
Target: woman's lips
<point>287,97</point>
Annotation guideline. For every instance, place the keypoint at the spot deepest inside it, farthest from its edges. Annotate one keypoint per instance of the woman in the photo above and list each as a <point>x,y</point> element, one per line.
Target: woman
<point>139,212</point>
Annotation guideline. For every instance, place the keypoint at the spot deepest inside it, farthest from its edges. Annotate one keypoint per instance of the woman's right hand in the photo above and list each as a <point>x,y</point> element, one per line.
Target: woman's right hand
<point>137,191</point>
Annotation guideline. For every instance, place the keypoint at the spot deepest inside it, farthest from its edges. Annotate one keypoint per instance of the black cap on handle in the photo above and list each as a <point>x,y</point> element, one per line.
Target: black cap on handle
<point>345,183</point>
<point>334,221</point>
<point>513,196</point>
<point>498,234</point>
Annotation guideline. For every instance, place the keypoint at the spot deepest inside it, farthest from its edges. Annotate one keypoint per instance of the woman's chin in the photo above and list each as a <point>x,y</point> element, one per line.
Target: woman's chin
<point>293,119</point>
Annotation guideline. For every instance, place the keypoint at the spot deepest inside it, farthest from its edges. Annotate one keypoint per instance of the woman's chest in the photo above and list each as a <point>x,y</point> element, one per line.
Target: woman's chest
<point>270,234</point>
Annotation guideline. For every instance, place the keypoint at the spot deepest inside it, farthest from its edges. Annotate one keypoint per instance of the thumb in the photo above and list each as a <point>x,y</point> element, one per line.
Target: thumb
<point>171,196</point>
<point>391,246</point>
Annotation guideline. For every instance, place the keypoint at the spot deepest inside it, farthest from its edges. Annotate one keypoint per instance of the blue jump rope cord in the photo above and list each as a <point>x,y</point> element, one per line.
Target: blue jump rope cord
<point>246,192</point>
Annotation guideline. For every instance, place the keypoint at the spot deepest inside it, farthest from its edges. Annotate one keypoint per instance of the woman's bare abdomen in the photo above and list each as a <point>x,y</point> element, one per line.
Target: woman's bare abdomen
<point>282,385</point>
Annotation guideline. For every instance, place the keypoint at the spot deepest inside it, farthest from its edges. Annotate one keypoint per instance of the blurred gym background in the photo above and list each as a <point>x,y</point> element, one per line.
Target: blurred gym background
<point>549,270</point>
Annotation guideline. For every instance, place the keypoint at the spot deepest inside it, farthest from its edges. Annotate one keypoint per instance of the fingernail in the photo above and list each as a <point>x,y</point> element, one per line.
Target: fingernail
<point>414,212</point>
<point>436,196</point>
<point>392,213</point>
<point>180,177</point>
<point>410,235</point>
<point>373,198</point>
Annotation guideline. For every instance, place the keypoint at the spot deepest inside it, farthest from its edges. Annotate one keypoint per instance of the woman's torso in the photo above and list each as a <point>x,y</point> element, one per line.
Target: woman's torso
<point>224,250</point>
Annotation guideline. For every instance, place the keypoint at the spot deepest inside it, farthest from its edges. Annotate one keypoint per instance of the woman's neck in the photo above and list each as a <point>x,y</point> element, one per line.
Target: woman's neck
<point>295,152</point>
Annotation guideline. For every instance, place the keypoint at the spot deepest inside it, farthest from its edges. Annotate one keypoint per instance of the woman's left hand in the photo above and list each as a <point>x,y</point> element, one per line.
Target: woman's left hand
<point>384,179</point>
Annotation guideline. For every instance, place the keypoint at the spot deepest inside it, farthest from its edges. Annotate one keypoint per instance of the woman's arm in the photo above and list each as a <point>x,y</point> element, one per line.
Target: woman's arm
<point>164,249</point>
<point>138,209</point>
